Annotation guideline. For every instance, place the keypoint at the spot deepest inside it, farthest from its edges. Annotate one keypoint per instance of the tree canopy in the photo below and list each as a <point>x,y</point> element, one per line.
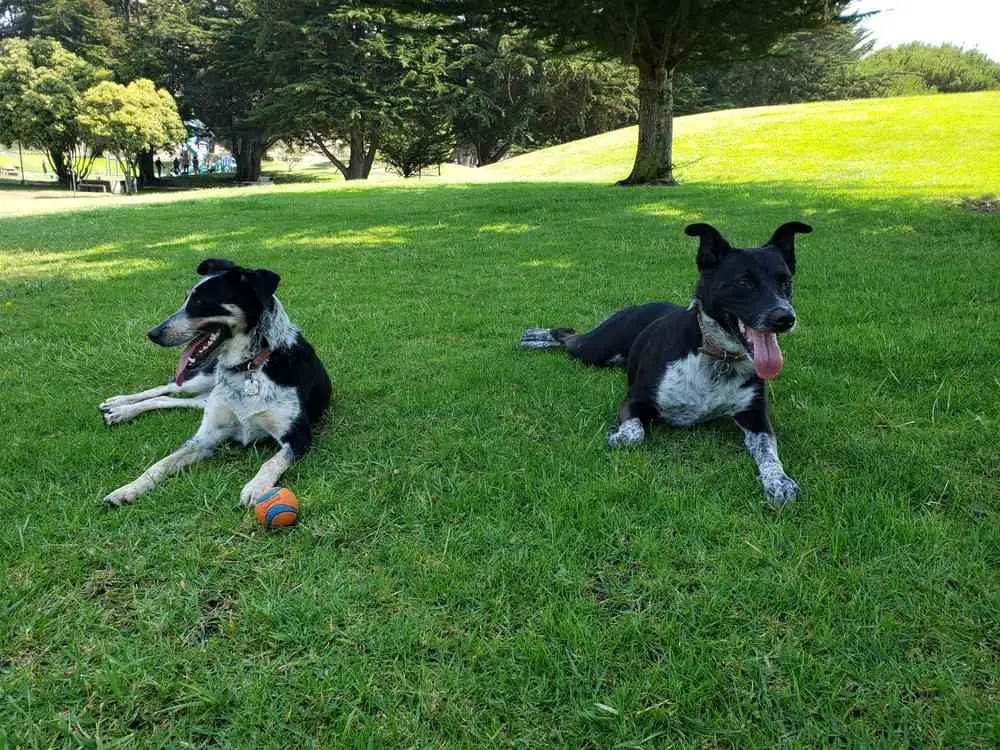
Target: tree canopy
<point>654,36</point>
<point>128,120</point>
<point>343,72</point>
<point>41,92</point>
<point>919,68</point>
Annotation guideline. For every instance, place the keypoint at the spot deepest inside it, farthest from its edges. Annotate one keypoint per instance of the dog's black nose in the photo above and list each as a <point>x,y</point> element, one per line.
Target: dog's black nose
<point>781,319</point>
<point>155,334</point>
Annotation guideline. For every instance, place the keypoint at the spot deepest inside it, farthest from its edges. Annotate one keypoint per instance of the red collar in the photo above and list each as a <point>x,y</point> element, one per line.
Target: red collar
<point>710,347</point>
<point>252,365</point>
<point>713,350</point>
<point>257,362</point>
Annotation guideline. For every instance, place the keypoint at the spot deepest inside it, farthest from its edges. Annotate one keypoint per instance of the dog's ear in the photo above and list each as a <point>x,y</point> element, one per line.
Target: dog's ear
<point>713,245</point>
<point>784,239</point>
<point>263,283</point>
<point>214,265</point>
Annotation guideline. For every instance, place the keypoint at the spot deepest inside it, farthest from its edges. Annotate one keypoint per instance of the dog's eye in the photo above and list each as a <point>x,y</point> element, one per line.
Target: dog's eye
<point>745,283</point>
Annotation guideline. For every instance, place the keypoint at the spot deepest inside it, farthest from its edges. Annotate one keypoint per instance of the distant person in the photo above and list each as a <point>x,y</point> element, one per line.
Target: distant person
<point>159,167</point>
<point>177,166</point>
<point>195,163</point>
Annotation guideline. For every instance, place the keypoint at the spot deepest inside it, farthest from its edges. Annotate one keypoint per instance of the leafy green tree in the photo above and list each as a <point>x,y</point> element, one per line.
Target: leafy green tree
<point>88,28</point>
<point>128,120</point>
<point>163,41</point>
<point>510,91</point>
<point>41,93</point>
<point>918,68</point>
<point>231,82</point>
<point>416,140</point>
<point>656,37</point>
<point>582,96</point>
<point>818,65</point>
<point>134,38</point>
<point>342,72</point>
<point>496,80</point>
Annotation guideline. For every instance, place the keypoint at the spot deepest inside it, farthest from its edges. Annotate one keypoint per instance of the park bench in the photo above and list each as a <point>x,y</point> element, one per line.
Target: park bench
<point>98,186</point>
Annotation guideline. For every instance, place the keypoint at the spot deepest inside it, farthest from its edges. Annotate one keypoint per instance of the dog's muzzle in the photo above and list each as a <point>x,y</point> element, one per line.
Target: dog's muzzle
<point>173,331</point>
<point>779,320</point>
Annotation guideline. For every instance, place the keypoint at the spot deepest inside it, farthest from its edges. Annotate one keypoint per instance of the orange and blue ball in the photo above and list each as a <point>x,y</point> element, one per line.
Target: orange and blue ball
<point>277,508</point>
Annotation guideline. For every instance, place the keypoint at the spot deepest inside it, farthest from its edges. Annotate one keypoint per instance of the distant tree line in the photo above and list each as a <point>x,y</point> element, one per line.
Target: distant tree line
<point>415,82</point>
<point>837,63</point>
<point>918,68</point>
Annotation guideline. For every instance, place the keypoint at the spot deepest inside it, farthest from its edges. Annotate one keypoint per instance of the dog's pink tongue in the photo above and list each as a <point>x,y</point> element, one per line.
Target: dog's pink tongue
<point>182,365</point>
<point>767,359</point>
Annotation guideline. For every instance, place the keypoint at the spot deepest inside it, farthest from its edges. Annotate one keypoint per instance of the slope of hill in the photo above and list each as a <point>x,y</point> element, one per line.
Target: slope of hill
<point>926,144</point>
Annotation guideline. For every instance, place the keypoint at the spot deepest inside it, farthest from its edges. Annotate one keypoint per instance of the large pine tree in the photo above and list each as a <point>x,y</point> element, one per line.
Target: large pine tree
<point>657,37</point>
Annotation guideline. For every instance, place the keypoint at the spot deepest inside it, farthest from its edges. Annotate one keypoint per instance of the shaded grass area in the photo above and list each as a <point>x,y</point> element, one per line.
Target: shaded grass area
<point>474,568</point>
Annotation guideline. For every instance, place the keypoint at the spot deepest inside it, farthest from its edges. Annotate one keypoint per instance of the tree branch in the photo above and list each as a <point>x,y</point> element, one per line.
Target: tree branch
<point>318,142</point>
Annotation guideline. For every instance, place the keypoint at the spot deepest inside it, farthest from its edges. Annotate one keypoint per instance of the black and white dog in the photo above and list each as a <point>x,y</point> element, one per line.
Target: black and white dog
<point>689,365</point>
<point>251,370</point>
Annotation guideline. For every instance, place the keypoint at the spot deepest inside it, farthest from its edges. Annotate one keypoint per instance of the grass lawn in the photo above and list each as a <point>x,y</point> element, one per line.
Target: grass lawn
<point>474,568</point>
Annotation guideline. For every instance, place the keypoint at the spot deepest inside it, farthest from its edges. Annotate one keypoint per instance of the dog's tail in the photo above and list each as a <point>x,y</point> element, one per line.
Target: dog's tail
<point>545,338</point>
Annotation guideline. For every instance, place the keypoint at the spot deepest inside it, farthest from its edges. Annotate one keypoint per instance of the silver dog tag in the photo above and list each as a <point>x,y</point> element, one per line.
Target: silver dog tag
<point>250,386</point>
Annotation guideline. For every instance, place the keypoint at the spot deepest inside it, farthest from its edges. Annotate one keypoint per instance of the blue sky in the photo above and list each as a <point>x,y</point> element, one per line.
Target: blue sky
<point>969,23</point>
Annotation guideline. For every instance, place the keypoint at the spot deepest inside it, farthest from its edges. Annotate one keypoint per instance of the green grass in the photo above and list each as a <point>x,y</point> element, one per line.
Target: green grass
<point>474,568</point>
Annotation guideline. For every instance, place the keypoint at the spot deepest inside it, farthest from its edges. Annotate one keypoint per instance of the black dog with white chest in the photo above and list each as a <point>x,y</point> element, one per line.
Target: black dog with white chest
<point>253,372</point>
<point>708,360</point>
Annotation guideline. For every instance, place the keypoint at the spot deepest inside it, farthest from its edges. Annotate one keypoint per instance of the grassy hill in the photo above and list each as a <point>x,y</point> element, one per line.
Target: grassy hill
<point>474,568</point>
<point>927,144</point>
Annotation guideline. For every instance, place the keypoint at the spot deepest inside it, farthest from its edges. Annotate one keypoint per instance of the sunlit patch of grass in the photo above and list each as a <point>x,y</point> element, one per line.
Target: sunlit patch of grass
<point>201,240</point>
<point>872,144</point>
<point>506,227</point>
<point>667,211</point>
<point>373,235</point>
<point>561,264</point>
<point>92,263</point>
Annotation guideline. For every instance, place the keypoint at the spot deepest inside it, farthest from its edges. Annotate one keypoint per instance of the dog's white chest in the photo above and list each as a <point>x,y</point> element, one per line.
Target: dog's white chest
<point>264,410</point>
<point>698,388</point>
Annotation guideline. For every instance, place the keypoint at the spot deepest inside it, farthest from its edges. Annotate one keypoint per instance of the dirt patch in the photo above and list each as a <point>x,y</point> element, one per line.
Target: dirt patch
<point>215,610</point>
<point>988,204</point>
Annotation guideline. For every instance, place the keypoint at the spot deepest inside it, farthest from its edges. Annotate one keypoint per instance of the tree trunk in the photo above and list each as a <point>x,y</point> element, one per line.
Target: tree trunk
<point>60,166</point>
<point>147,170</point>
<point>654,155</point>
<point>358,166</point>
<point>248,151</point>
<point>491,150</point>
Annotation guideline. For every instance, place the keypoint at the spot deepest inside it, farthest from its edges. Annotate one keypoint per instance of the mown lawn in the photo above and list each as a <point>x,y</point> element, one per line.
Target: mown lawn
<point>474,568</point>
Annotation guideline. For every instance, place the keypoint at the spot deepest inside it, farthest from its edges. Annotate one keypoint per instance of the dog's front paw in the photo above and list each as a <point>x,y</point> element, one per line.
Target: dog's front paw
<point>117,414</point>
<point>780,488</point>
<point>123,495</point>
<point>252,490</point>
<point>629,432</point>
<point>110,403</point>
